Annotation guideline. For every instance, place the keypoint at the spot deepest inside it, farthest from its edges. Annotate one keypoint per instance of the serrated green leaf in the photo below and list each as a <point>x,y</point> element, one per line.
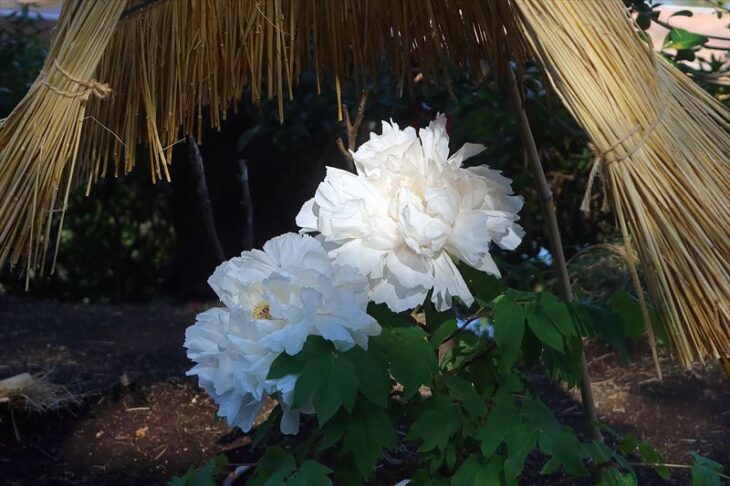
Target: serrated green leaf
<point>521,440</point>
<point>331,383</point>
<point>467,472</point>
<point>509,328</point>
<point>332,432</point>
<point>705,472</point>
<point>542,326</point>
<point>559,313</point>
<point>284,364</point>
<point>368,433</point>
<point>599,451</point>
<point>651,456</point>
<point>437,419</point>
<point>490,472</point>
<point>498,424</point>
<point>205,475</point>
<point>411,360</point>
<point>614,477</point>
<point>372,379</point>
<point>310,473</point>
<point>550,467</point>
<point>483,286</point>
<point>464,391</point>
<point>683,39</point>
<point>273,468</point>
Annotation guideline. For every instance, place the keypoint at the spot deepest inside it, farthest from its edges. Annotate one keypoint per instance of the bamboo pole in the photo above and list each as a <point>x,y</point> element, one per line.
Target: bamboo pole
<point>556,245</point>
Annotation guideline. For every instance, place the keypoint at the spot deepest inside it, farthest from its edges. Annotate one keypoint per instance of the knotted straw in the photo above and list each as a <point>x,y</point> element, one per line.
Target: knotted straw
<point>88,87</point>
<point>602,161</point>
<point>671,191</point>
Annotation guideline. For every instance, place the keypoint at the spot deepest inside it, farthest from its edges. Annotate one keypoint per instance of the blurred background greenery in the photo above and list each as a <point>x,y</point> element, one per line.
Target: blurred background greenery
<point>134,240</point>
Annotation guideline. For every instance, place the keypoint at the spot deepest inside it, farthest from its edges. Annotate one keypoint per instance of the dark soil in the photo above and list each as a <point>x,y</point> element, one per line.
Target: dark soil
<point>141,421</point>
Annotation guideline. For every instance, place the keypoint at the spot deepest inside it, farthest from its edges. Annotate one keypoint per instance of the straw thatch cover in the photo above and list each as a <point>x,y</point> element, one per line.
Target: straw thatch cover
<point>120,72</point>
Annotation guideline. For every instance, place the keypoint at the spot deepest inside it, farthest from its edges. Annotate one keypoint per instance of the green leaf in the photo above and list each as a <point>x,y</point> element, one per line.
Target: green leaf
<point>521,440</point>
<point>332,432</point>
<point>434,318</point>
<point>550,467</point>
<point>310,473</point>
<point>490,472</point>
<point>643,21</point>
<point>464,391</point>
<point>273,468</point>
<point>387,318</point>
<point>412,361</point>
<point>284,364</point>
<point>331,383</point>
<point>372,379</point>
<point>651,456</point>
<point>542,326</point>
<point>437,419</point>
<point>705,472</point>
<point>558,312</point>
<point>442,332</point>
<point>467,472</point>
<point>509,328</point>
<point>682,13</point>
<point>368,433</point>
<point>484,287</point>
<point>614,477</point>
<point>629,311</point>
<point>682,39</point>
<point>498,424</point>
<point>205,475</point>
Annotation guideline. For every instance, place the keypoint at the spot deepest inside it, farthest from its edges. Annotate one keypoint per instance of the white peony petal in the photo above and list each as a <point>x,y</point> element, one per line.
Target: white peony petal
<point>306,218</point>
<point>466,151</point>
<point>448,283</point>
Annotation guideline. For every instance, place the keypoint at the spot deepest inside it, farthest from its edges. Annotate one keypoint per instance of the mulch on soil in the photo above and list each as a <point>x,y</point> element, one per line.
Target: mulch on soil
<point>142,421</point>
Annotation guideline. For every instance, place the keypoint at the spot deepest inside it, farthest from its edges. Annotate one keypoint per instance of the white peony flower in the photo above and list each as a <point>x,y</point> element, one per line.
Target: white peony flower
<point>274,299</point>
<point>409,210</point>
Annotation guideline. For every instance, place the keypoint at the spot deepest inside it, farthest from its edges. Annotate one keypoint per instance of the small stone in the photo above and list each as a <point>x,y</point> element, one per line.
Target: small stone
<point>141,432</point>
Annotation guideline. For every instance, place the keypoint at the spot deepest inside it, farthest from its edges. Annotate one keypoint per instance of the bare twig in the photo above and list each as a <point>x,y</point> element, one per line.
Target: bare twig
<point>247,204</point>
<point>556,246</point>
<point>196,162</point>
<point>669,26</point>
<point>353,129</point>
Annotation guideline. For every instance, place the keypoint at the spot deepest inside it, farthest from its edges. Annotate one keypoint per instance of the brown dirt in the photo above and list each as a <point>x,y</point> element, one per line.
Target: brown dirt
<point>142,421</point>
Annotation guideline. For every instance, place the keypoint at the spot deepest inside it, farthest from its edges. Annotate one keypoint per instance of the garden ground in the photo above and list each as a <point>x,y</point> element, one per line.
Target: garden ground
<point>141,421</point>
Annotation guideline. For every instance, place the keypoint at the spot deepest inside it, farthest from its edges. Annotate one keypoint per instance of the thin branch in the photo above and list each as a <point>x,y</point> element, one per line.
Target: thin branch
<point>675,466</point>
<point>556,246</point>
<point>196,162</point>
<point>247,203</point>
<point>669,26</point>
<point>353,129</point>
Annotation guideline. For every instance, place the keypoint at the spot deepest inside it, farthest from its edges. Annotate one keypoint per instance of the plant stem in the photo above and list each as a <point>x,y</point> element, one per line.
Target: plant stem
<point>206,209</point>
<point>247,203</point>
<point>556,246</point>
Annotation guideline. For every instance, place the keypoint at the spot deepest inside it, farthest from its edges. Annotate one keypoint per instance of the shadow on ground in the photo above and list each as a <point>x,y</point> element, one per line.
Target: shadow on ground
<point>141,421</point>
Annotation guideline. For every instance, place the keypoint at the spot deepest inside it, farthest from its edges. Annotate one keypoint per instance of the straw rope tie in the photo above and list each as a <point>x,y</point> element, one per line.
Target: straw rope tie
<point>601,160</point>
<point>100,90</point>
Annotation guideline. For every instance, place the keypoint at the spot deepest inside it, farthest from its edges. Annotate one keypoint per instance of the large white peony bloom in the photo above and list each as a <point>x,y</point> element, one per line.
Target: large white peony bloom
<point>274,299</point>
<point>409,210</point>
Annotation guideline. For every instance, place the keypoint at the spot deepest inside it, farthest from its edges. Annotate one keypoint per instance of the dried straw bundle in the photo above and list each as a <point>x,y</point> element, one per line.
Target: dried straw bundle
<point>168,59</point>
<point>664,152</point>
<point>166,63</point>
<point>39,140</point>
